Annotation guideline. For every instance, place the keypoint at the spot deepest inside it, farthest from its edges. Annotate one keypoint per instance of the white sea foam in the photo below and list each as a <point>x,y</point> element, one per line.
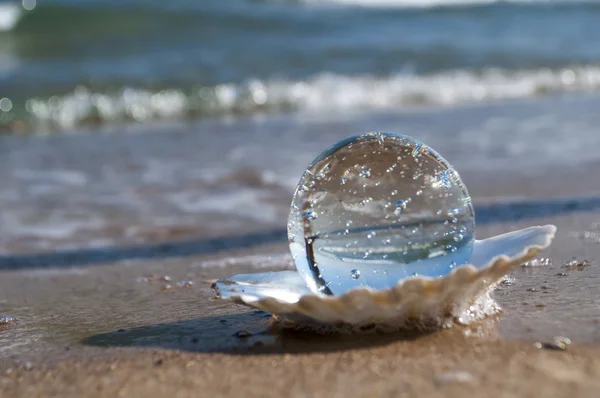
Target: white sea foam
<point>245,203</point>
<point>10,13</point>
<point>322,93</point>
<point>56,177</point>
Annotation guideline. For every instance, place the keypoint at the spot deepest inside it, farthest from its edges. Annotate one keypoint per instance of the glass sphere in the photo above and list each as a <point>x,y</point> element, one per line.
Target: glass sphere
<point>375,209</point>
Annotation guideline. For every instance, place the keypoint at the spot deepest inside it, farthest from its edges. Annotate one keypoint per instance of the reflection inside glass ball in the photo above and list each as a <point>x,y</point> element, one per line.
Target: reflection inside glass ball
<point>377,208</point>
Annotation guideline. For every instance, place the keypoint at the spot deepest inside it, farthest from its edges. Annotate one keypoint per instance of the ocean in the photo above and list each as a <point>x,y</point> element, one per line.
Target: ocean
<point>71,63</point>
<point>150,121</point>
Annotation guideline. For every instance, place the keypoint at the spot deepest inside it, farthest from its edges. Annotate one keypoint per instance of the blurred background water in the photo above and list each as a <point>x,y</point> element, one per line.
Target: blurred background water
<point>67,63</point>
<point>177,119</point>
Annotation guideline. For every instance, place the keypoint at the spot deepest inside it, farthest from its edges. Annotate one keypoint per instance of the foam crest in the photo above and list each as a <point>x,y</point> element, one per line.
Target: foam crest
<point>320,94</point>
<point>9,16</point>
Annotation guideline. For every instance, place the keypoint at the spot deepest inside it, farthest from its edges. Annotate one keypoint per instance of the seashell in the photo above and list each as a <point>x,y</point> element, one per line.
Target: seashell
<point>382,231</point>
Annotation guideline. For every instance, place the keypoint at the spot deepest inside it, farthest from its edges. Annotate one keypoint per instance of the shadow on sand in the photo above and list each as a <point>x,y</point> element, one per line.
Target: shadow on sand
<point>248,333</point>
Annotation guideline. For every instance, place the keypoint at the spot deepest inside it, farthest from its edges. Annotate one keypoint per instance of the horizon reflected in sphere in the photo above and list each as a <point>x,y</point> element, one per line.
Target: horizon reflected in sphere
<point>375,209</point>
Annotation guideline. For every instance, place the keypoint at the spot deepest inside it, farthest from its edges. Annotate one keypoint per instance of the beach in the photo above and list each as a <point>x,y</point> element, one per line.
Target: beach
<point>100,332</point>
<point>150,149</point>
<point>121,303</point>
<point>440,365</point>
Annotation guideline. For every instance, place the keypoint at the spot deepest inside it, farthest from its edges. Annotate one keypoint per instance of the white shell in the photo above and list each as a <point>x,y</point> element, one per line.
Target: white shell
<point>461,296</point>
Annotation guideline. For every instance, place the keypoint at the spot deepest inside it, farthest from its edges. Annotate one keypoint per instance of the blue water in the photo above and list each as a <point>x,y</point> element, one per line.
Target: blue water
<point>72,62</point>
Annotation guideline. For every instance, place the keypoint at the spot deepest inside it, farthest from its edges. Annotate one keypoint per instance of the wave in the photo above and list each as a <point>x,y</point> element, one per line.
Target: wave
<point>324,93</point>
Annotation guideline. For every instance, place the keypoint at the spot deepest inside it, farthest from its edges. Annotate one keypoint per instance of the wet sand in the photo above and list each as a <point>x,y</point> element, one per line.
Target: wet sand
<point>119,303</point>
<point>114,330</point>
<point>440,365</point>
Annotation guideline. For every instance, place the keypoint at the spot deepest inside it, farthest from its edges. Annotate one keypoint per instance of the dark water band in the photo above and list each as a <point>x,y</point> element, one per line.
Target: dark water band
<point>485,214</point>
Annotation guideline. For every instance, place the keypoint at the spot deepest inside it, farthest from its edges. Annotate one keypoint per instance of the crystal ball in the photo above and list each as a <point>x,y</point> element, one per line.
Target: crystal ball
<point>375,209</point>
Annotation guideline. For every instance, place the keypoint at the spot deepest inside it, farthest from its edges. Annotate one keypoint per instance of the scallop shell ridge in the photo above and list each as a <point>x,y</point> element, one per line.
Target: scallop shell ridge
<point>462,296</point>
